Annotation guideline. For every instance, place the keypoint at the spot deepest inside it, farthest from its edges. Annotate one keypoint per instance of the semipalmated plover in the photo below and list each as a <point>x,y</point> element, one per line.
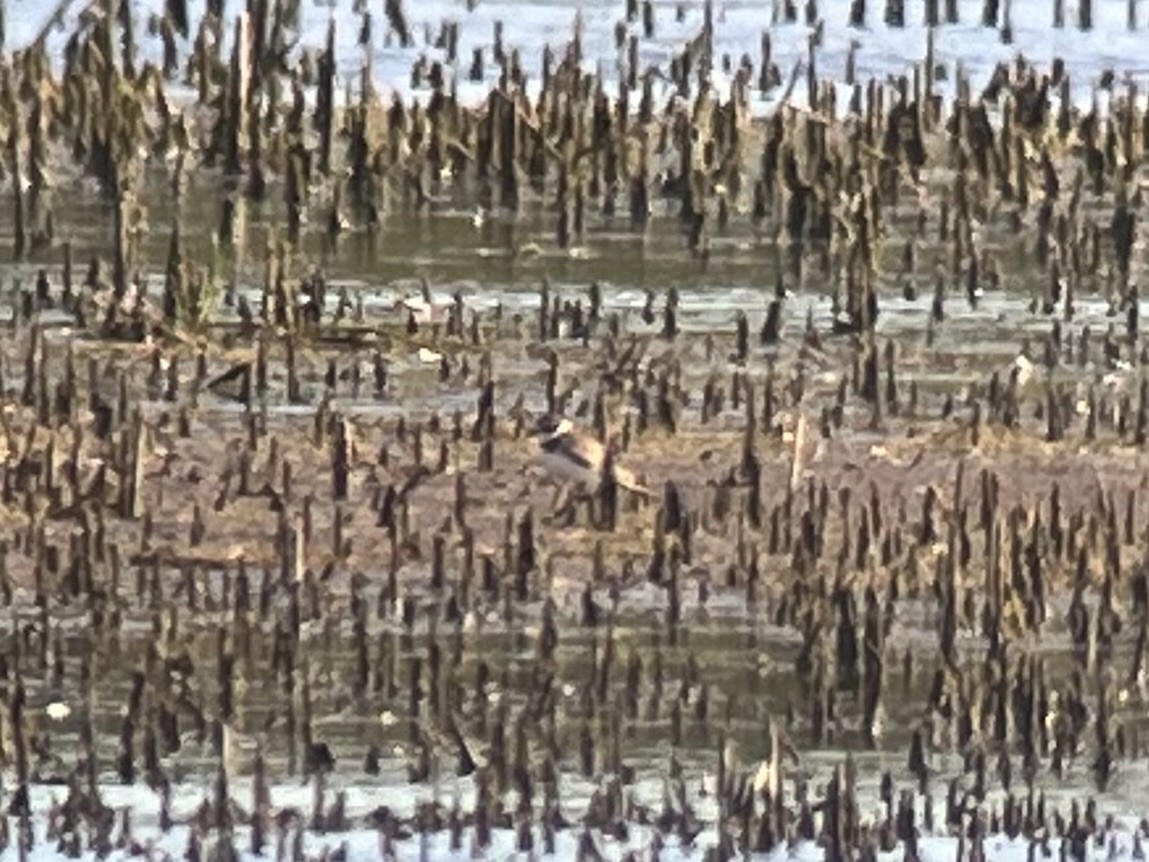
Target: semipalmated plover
<point>573,455</point>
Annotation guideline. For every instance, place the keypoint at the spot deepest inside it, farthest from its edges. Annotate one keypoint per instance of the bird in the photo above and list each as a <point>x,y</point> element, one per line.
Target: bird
<point>574,455</point>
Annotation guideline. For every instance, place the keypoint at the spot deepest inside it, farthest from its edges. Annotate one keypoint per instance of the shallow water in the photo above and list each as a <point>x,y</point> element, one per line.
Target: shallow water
<point>745,667</point>
<point>739,24</point>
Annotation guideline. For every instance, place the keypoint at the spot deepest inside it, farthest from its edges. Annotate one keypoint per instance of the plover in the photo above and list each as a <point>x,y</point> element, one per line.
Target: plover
<point>573,455</point>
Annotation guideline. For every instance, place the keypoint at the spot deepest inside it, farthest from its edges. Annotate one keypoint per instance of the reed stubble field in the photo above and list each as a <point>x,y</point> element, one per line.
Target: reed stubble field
<point>280,575</point>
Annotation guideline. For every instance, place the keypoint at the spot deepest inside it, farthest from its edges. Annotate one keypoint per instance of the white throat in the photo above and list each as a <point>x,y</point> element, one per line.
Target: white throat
<point>565,426</point>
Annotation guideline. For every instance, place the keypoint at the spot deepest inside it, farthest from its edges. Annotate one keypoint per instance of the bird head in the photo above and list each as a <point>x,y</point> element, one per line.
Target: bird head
<point>551,425</point>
